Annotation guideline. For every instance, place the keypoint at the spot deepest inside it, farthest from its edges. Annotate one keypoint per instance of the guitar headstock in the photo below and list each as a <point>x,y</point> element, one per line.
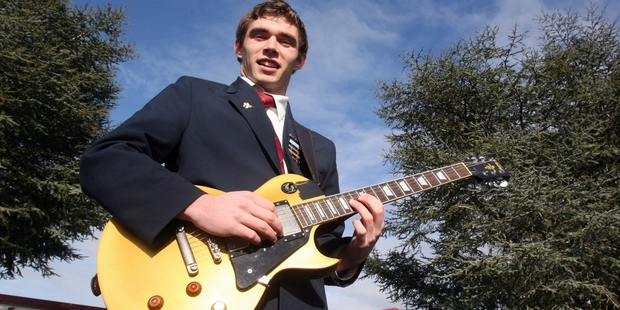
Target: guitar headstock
<point>488,169</point>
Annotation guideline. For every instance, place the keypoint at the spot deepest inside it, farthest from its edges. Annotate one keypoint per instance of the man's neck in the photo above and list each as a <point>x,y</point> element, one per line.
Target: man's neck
<point>259,87</point>
<point>281,101</point>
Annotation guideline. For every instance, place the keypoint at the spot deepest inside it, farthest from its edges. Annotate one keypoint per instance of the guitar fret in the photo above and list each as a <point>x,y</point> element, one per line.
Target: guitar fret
<point>380,193</point>
<point>404,186</point>
<point>309,213</point>
<point>414,184</point>
<point>441,176</point>
<point>436,178</point>
<point>320,210</point>
<point>432,180</point>
<point>369,189</point>
<point>455,172</point>
<point>462,168</point>
<point>300,218</point>
<point>306,216</point>
<point>311,218</point>
<point>343,204</point>
<point>383,193</point>
<point>398,192</point>
<point>450,174</point>
<point>327,209</point>
<point>332,207</point>
<point>316,217</point>
<point>422,182</point>
<point>387,190</point>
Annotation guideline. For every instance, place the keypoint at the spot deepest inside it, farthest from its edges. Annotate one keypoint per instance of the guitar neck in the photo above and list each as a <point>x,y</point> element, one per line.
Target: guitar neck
<point>336,206</point>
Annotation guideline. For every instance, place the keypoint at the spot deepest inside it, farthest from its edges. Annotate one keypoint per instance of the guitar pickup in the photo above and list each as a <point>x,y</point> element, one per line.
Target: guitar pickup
<point>292,229</point>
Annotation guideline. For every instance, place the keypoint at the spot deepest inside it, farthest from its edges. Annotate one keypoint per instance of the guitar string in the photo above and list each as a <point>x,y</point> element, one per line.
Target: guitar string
<point>430,179</point>
<point>375,190</point>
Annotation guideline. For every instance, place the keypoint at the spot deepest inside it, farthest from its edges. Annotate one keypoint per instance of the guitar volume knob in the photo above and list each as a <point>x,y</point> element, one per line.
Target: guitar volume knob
<point>193,289</point>
<point>155,303</point>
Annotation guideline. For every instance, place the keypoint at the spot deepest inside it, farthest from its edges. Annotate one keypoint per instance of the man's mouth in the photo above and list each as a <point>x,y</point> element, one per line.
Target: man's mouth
<point>269,64</point>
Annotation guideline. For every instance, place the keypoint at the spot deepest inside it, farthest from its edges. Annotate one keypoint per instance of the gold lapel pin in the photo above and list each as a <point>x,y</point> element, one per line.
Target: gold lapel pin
<point>247,105</point>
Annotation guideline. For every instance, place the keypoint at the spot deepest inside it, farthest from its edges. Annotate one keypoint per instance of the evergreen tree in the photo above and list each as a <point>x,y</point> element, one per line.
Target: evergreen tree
<point>550,114</point>
<point>57,69</point>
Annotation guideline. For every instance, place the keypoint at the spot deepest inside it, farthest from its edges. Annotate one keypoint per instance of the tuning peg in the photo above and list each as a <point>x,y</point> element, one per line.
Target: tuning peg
<point>499,183</point>
<point>476,159</point>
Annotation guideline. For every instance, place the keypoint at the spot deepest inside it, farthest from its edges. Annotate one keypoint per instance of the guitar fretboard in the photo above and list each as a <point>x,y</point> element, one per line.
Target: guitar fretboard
<point>335,206</point>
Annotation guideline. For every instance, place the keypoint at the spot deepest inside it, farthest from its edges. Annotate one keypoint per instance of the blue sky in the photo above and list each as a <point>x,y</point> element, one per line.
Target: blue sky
<point>353,44</point>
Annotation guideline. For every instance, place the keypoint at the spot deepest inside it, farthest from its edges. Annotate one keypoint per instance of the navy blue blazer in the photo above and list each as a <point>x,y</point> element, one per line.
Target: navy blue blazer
<point>199,132</point>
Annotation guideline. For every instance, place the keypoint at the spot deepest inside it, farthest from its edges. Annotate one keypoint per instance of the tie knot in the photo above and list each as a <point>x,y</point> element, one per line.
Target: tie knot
<point>267,100</point>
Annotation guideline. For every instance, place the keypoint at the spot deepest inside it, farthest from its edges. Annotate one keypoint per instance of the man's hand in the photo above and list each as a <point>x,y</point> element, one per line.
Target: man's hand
<point>367,232</point>
<point>241,214</point>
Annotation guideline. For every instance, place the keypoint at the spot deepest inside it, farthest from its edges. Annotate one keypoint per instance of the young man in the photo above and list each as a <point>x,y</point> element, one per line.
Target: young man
<point>198,132</point>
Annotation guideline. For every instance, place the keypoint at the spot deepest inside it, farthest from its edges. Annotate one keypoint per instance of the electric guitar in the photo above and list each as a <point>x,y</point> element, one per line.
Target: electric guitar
<point>196,270</point>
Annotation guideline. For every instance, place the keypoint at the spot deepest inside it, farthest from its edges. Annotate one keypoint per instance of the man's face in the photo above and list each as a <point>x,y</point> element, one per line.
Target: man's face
<point>270,53</point>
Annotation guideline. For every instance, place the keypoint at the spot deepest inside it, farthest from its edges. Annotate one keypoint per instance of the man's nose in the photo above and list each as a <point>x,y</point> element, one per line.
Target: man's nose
<point>271,44</point>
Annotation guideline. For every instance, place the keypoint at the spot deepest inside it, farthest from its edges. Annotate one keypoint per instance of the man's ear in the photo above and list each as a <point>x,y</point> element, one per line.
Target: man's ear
<point>301,61</point>
<point>238,51</point>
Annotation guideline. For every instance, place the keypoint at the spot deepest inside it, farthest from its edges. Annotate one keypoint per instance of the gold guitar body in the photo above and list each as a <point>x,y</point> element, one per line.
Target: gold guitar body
<point>133,275</point>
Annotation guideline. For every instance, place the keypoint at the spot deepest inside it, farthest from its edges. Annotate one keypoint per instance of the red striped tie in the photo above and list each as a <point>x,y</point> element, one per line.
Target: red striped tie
<point>268,102</point>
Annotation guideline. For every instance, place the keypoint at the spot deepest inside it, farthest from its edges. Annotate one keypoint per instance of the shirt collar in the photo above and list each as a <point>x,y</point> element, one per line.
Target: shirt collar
<point>281,101</point>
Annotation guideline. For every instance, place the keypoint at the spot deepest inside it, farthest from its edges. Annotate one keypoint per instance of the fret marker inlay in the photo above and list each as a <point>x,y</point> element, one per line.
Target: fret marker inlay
<point>312,218</point>
<point>320,209</point>
<point>331,207</point>
<point>405,187</point>
<point>388,191</point>
<point>344,203</point>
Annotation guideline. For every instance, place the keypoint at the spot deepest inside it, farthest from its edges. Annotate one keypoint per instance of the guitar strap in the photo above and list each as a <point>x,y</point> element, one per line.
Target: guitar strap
<point>307,148</point>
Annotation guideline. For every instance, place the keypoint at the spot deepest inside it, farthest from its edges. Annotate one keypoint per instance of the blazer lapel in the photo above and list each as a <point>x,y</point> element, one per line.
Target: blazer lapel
<point>246,101</point>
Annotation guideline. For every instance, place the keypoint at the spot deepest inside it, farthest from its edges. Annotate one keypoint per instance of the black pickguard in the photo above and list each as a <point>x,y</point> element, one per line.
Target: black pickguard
<point>254,262</point>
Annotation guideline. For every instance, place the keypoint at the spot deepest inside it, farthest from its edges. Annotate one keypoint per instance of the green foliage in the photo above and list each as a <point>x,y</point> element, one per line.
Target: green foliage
<point>57,68</point>
<point>550,114</point>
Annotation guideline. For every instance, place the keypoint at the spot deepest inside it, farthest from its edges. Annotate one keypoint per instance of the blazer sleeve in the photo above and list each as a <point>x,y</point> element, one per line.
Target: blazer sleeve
<point>124,170</point>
